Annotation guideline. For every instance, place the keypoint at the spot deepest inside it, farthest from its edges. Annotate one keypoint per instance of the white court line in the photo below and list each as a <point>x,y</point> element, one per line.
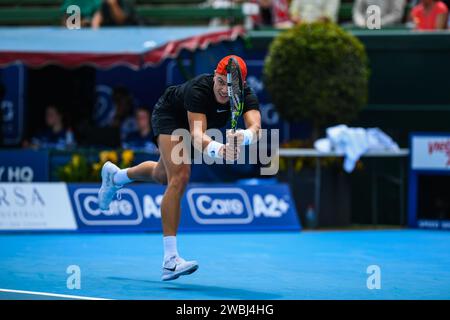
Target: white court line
<point>51,294</point>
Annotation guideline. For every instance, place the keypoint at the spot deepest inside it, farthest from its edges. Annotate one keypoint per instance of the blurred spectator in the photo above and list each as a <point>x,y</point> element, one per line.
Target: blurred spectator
<point>87,8</point>
<point>55,135</point>
<point>120,115</point>
<point>141,139</point>
<point>447,3</point>
<point>281,16</point>
<point>430,15</point>
<point>220,4</point>
<point>391,11</point>
<point>123,112</point>
<point>265,12</point>
<point>115,13</point>
<point>273,13</point>
<point>314,10</point>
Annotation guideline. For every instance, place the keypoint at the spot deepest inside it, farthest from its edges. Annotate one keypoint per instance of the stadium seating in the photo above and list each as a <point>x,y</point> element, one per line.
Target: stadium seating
<point>49,12</point>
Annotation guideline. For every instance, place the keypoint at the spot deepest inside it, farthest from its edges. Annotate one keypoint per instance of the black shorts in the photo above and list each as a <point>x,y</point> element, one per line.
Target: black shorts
<point>164,121</point>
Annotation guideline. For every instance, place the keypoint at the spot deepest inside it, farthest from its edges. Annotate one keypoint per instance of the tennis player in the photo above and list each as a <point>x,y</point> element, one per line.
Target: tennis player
<point>203,100</point>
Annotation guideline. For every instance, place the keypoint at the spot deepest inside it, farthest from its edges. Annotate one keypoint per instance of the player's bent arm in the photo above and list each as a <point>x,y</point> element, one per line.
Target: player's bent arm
<point>197,127</point>
<point>252,120</point>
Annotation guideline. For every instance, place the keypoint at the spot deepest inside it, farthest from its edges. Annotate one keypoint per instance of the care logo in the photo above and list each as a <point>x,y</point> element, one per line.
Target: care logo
<point>220,206</point>
<point>233,205</point>
<point>126,211</point>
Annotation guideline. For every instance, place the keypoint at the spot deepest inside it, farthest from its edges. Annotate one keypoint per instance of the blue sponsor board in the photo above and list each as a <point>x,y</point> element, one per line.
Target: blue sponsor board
<point>204,208</point>
<point>24,166</point>
<point>136,209</point>
<point>239,208</point>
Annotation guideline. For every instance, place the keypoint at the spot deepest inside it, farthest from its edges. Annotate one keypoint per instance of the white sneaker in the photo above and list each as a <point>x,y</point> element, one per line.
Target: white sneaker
<point>177,266</point>
<point>108,188</point>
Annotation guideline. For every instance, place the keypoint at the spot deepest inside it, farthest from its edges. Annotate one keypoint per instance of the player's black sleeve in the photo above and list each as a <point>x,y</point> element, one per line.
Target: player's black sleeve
<point>195,100</point>
<point>250,100</point>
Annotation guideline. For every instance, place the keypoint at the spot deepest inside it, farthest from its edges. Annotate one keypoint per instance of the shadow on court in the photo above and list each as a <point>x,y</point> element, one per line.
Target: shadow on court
<point>213,291</point>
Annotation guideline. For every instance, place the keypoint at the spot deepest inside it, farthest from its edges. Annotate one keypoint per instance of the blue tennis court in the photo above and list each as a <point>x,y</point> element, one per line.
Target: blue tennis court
<point>276,265</point>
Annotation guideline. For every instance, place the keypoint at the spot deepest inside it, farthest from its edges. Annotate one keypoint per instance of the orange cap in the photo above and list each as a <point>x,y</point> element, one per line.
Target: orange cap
<point>222,66</point>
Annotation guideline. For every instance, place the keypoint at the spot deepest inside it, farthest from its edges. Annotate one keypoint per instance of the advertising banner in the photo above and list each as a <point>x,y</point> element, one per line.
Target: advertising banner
<point>35,207</point>
<point>430,152</point>
<point>203,208</point>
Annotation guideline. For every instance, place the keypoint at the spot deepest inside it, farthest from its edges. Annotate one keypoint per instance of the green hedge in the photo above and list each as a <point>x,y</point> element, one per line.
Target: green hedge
<point>317,72</point>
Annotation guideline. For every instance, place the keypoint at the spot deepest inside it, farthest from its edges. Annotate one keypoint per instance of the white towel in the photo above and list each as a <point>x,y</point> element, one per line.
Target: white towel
<point>354,142</point>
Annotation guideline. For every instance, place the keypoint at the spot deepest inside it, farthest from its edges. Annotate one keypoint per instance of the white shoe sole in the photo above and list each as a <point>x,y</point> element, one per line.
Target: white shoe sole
<point>104,174</point>
<point>186,272</point>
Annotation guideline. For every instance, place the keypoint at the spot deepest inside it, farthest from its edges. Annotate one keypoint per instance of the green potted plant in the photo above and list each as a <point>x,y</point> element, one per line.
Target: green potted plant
<point>317,72</point>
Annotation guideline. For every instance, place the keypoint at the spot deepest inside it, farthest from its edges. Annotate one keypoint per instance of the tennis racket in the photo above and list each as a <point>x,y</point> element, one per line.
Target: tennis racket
<point>235,85</point>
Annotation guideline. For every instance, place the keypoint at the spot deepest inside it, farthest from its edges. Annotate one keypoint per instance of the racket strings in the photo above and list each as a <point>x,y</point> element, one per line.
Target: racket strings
<point>236,87</point>
<point>235,92</point>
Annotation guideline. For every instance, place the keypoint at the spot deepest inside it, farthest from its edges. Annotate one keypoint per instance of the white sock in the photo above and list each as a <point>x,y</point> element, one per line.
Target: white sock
<point>121,177</point>
<point>170,247</point>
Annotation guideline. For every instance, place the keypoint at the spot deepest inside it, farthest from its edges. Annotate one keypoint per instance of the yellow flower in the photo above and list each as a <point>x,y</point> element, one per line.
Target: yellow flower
<point>96,166</point>
<point>76,159</point>
<point>103,156</point>
<point>127,157</point>
<point>282,164</point>
<point>67,170</point>
<point>112,156</point>
<point>298,165</point>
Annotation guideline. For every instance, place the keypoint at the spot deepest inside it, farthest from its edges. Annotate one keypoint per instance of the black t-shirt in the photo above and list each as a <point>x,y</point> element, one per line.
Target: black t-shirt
<point>197,95</point>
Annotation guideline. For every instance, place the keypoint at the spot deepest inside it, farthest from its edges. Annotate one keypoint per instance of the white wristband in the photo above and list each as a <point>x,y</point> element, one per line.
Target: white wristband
<point>212,149</point>
<point>248,137</point>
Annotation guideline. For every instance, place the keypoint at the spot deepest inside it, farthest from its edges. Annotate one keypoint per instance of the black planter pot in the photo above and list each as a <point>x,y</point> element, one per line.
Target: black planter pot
<point>332,206</point>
